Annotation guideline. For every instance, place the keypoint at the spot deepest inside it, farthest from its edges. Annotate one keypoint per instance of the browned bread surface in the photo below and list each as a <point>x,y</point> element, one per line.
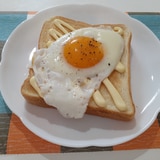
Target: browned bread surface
<point>121,81</point>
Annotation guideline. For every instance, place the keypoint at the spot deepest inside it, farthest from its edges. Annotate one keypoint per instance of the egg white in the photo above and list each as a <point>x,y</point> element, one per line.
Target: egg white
<point>69,88</point>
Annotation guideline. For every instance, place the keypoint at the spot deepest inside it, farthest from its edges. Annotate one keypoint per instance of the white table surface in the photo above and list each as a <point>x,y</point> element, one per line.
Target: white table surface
<point>123,5</point>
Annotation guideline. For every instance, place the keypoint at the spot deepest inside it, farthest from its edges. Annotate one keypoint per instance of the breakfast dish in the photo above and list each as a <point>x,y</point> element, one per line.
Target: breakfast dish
<point>89,130</point>
<point>87,64</point>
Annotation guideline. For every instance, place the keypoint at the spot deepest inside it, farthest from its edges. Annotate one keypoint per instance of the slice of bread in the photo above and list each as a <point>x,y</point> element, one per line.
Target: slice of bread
<point>121,81</point>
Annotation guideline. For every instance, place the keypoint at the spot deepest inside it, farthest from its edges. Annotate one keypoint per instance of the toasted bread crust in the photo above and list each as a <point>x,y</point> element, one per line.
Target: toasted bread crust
<point>120,81</point>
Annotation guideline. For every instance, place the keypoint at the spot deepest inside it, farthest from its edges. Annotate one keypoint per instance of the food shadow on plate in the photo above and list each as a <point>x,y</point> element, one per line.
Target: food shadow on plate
<point>88,122</point>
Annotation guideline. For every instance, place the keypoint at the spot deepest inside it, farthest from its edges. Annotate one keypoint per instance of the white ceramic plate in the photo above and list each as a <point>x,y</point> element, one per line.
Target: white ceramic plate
<point>91,130</point>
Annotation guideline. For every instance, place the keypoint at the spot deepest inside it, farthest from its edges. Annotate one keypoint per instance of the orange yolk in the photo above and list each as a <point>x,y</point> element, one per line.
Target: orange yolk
<point>83,52</point>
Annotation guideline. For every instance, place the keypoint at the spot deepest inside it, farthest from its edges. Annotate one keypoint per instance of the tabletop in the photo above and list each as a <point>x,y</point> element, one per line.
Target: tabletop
<point>15,138</point>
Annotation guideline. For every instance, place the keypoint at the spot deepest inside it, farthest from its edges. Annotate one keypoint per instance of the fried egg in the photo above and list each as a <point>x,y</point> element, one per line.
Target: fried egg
<point>73,67</point>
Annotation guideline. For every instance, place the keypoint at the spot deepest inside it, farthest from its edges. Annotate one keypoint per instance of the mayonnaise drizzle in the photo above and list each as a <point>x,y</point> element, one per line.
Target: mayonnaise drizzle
<point>61,24</point>
<point>54,33</point>
<point>120,68</point>
<point>99,99</point>
<point>119,102</point>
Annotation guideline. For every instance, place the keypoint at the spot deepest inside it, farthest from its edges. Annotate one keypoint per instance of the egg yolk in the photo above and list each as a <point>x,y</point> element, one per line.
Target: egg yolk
<point>83,52</point>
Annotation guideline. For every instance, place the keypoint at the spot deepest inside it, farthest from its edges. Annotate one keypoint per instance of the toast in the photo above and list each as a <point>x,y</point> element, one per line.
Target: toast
<point>117,79</point>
